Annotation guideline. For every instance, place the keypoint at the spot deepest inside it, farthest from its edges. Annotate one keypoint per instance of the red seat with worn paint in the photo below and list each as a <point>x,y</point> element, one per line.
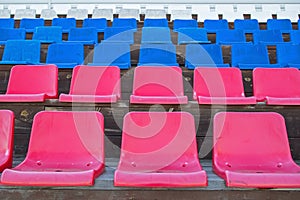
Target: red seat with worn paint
<point>251,149</point>
<point>220,86</point>
<point>277,86</point>
<point>65,149</point>
<point>158,85</point>
<point>98,84</point>
<point>159,150</point>
<point>31,83</point>
<point>6,139</point>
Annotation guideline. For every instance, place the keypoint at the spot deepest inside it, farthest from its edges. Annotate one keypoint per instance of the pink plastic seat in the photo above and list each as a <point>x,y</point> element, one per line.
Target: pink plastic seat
<point>65,149</point>
<point>277,86</point>
<point>158,85</point>
<point>6,139</point>
<point>159,150</point>
<point>96,84</point>
<point>220,86</point>
<point>31,83</point>
<point>252,150</point>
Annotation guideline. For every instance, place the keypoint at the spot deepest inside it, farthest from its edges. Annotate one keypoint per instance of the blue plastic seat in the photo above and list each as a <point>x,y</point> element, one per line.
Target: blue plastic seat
<point>192,36</point>
<point>184,23</point>
<point>247,25</point>
<point>86,36</point>
<point>284,25</point>
<point>249,56</point>
<point>209,55</point>
<point>21,52</point>
<point>99,23</point>
<point>65,23</point>
<point>267,37</point>
<point>7,23</point>
<point>213,25</point>
<point>116,54</point>
<point>295,36</point>
<point>156,35</point>
<point>129,23</point>
<point>118,34</point>
<point>11,34</point>
<point>65,55</point>
<point>30,24</point>
<point>157,55</point>
<point>288,55</point>
<point>48,34</point>
<point>229,37</point>
<point>155,23</point>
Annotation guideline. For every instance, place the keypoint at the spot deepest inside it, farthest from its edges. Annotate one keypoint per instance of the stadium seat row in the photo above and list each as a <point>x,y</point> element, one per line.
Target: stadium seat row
<point>154,85</point>
<point>208,13</point>
<point>70,54</point>
<point>159,149</point>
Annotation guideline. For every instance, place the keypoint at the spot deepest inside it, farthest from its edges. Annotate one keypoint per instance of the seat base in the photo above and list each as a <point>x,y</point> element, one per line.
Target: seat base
<point>47,178</point>
<point>135,99</point>
<point>88,98</point>
<point>22,98</point>
<point>181,179</point>
<point>262,180</point>
<point>283,101</point>
<point>227,100</point>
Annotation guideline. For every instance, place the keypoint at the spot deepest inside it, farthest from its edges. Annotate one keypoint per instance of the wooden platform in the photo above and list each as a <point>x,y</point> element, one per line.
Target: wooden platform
<point>104,189</point>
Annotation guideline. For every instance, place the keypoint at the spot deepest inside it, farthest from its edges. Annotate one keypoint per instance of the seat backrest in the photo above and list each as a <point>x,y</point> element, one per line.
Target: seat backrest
<point>22,50</point>
<point>192,35</point>
<point>4,13</point>
<point>249,54</point>
<point>282,82</point>
<point>78,141</point>
<point>158,81</point>
<point>287,53</point>
<point>157,53</point>
<point>279,24</point>
<point>48,14</point>
<point>100,80</point>
<point>211,24</point>
<point>250,140</point>
<point>149,22</point>
<point>218,82</point>
<point>184,23</point>
<point>131,23</point>
<point>181,14</point>
<point>119,34</point>
<point>129,13</point>
<point>7,23</point>
<point>156,35</point>
<point>65,53</point>
<point>65,23</point>
<point>99,23</point>
<point>246,24</point>
<point>103,13</point>
<point>229,36</point>
<point>267,36</point>
<point>77,13</point>
<point>12,34</point>
<point>155,13</point>
<point>50,33</point>
<point>33,79</point>
<point>24,13</point>
<point>154,141</point>
<point>31,23</point>
<point>6,138</point>
<point>83,34</point>
<point>114,53</point>
<point>295,36</point>
<point>203,54</point>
